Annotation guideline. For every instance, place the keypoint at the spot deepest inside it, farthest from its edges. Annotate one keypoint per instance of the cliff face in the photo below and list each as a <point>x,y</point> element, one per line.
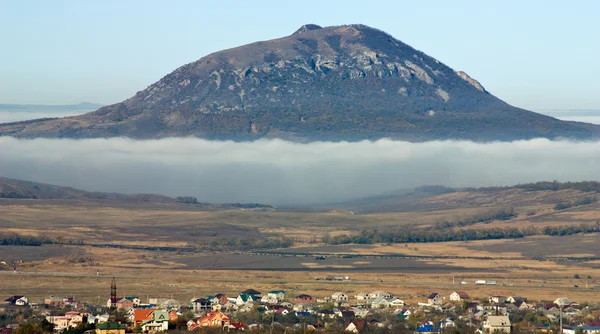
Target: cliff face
<point>336,83</point>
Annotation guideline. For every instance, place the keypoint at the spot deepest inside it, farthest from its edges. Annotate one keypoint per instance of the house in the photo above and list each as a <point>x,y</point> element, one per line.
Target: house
<point>244,298</point>
<point>496,308</point>
<point>396,302</point>
<point>276,294</point>
<point>221,299</point>
<point>269,300</point>
<point>458,296</point>
<point>563,302</point>
<point>211,319</point>
<point>426,329</point>
<point>584,329</point>
<point>254,293</point>
<point>110,327</point>
<point>496,324</point>
<point>377,294</point>
<point>158,323</point>
<point>354,326</point>
<point>202,304</point>
<point>339,297</point>
<point>304,299</point>
<point>70,302</point>
<point>379,302</point>
<point>326,314</point>
<point>434,299</point>
<point>52,300</point>
<point>515,300</point>
<point>361,296</point>
<point>17,300</point>
<point>134,299</point>
<point>497,299</point>
<point>141,316</point>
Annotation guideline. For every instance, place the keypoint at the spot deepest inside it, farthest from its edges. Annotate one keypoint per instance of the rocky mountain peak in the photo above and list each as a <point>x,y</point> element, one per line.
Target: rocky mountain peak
<point>307,27</point>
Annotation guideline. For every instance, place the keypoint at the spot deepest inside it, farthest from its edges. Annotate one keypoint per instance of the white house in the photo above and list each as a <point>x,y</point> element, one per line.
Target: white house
<point>497,299</point>
<point>269,300</point>
<point>496,324</point>
<point>339,297</point>
<point>361,296</point>
<point>379,302</point>
<point>434,299</point>
<point>22,301</point>
<point>276,294</point>
<point>458,296</point>
<point>244,298</point>
<point>396,302</point>
<point>377,294</point>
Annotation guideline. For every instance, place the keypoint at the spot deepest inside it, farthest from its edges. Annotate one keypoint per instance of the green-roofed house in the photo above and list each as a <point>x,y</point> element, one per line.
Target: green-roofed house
<point>110,327</point>
<point>244,298</point>
<point>276,294</point>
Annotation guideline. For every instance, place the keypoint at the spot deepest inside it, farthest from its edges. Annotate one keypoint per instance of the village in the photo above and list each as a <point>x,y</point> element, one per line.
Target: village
<point>281,312</point>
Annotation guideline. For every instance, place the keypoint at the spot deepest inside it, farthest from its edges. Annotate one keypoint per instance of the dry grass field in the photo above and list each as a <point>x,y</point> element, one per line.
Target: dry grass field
<point>57,270</point>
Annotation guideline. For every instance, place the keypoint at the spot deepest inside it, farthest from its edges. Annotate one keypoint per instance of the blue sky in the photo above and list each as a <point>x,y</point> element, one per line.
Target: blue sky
<point>534,54</point>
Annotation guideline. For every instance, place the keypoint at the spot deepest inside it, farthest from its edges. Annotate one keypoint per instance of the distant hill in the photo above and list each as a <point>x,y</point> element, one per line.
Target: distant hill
<point>427,198</point>
<point>349,82</point>
<point>11,188</point>
<point>19,189</point>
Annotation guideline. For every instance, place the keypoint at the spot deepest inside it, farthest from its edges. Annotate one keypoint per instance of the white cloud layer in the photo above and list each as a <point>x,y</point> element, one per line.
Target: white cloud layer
<point>281,172</point>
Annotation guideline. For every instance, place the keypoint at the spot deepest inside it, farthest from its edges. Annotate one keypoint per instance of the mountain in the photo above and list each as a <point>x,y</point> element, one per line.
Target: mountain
<point>348,82</point>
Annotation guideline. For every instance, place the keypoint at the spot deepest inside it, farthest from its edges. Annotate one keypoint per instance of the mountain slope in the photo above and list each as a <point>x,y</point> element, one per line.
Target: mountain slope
<point>12,188</point>
<point>336,83</point>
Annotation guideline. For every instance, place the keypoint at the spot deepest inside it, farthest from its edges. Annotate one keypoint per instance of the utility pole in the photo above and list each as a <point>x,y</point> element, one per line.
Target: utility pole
<point>560,308</point>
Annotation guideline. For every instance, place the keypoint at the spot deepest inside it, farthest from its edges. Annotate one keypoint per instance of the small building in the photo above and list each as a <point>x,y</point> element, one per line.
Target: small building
<point>434,299</point>
<point>244,298</point>
<point>339,297</point>
<point>304,299</point>
<point>17,300</point>
<point>110,327</point>
<point>202,304</point>
<point>496,324</point>
<point>377,294</point>
<point>458,296</point>
<point>276,294</point>
<point>214,319</point>
<point>497,299</point>
<point>355,326</point>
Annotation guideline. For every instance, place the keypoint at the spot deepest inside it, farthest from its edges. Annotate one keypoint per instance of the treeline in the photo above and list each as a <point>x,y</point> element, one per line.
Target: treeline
<point>584,186</point>
<point>13,194</point>
<point>579,202</point>
<point>443,235</point>
<point>244,244</point>
<point>486,217</point>
<point>22,240</point>
<point>186,199</point>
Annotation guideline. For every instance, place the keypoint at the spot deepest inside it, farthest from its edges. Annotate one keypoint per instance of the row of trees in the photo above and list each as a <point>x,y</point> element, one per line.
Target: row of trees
<point>243,244</point>
<point>578,202</point>
<point>584,186</point>
<point>23,240</point>
<point>486,217</point>
<point>451,234</point>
